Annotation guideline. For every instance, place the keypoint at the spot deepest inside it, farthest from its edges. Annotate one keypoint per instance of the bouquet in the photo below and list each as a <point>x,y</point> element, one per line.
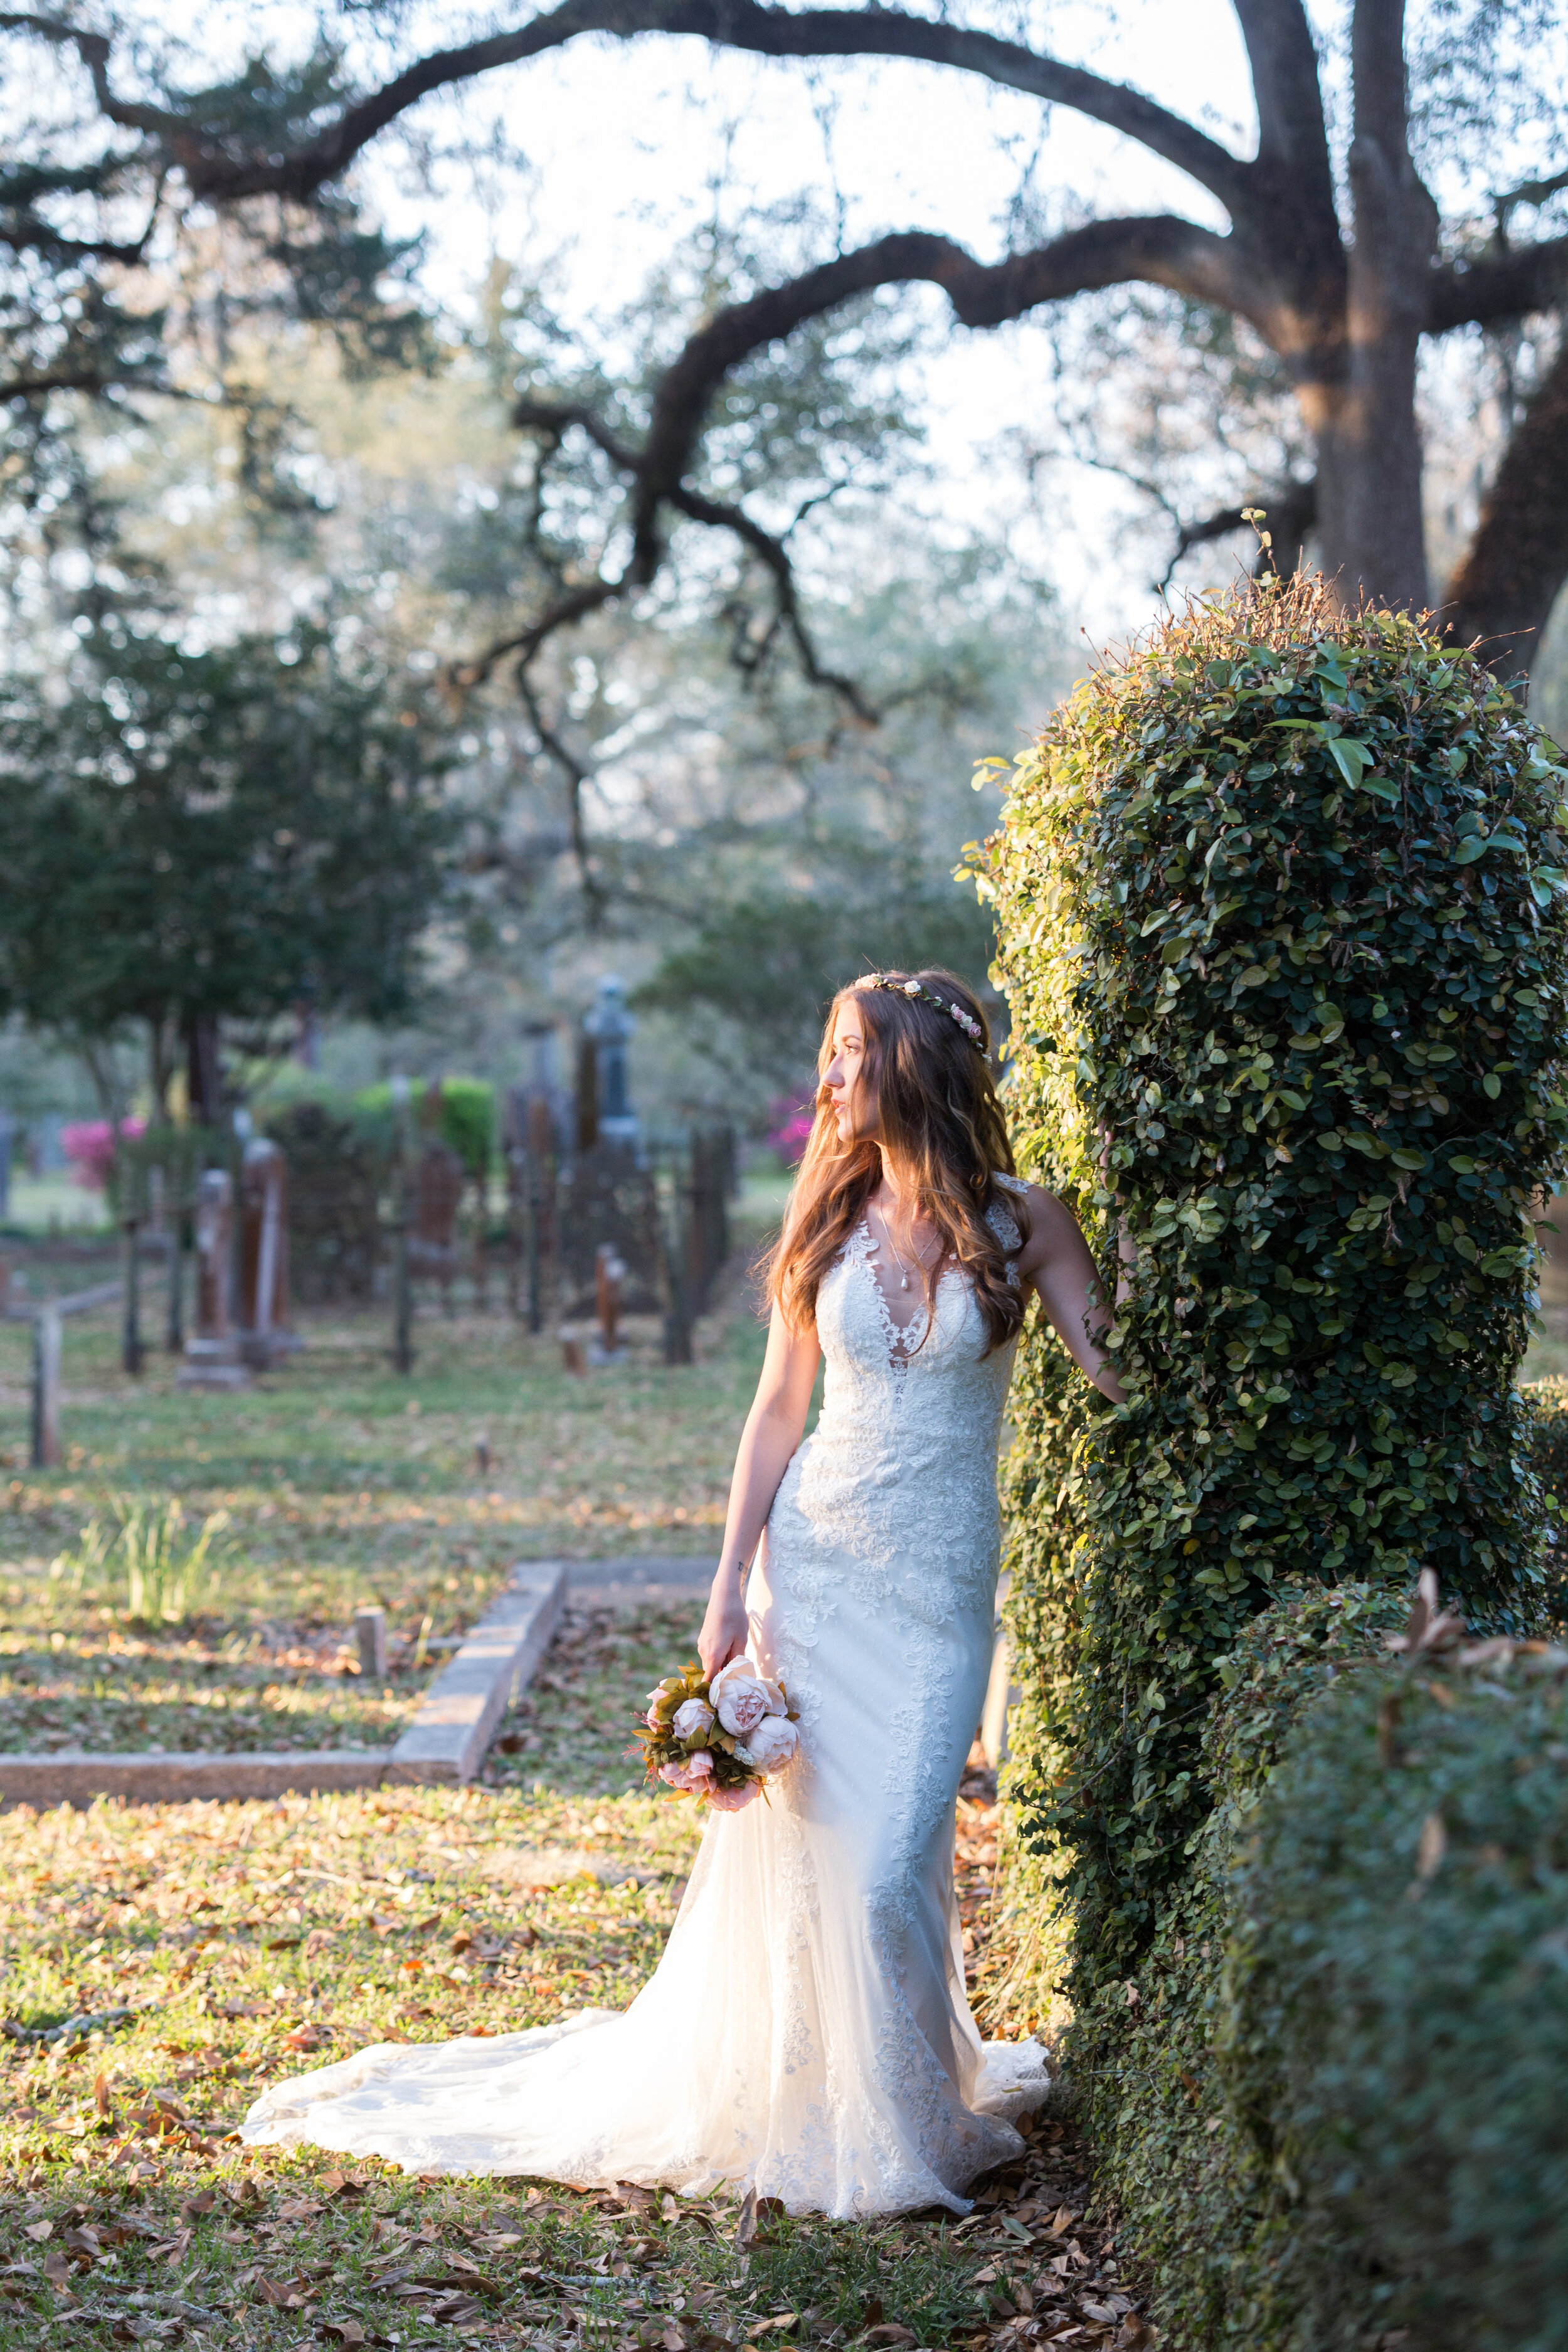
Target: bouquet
<point>718,1741</point>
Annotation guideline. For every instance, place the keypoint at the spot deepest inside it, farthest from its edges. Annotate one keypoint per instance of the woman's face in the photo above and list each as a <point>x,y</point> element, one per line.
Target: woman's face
<point>854,1104</point>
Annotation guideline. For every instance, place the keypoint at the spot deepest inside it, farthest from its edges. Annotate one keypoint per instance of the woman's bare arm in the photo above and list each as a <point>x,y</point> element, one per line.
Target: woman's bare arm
<point>1056,1261</point>
<point>774,1427</point>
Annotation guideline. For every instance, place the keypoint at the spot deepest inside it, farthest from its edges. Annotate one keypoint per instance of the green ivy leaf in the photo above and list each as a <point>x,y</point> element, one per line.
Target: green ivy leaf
<point>1351,758</point>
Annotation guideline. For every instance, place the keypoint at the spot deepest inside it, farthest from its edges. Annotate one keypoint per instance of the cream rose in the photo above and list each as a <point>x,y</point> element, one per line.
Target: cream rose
<point>770,1746</point>
<point>693,1719</point>
<point>739,1696</point>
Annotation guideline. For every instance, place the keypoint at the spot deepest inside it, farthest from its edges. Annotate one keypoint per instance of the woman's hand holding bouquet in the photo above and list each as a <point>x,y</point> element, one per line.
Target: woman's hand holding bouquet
<point>718,1741</point>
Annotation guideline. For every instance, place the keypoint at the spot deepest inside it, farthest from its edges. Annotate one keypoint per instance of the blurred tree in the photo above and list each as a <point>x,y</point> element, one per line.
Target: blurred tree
<point>1336,254</point>
<point>761,972</point>
<point>189,836</point>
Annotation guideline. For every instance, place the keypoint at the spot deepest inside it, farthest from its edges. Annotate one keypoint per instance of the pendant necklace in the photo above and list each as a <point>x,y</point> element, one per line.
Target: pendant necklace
<point>892,1245</point>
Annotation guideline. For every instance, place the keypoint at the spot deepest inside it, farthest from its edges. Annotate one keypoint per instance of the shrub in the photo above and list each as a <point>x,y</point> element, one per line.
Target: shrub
<point>1396,2032</point>
<point>1198,2200</point>
<point>461,1112</point>
<point>1280,898</point>
<point>335,1223</point>
<point>1548,1404</point>
<point>1328,2099</point>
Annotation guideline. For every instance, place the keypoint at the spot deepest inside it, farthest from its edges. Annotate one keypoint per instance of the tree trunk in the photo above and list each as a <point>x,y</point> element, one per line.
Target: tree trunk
<point>163,1046</point>
<point>1370,533</point>
<point>204,1071</point>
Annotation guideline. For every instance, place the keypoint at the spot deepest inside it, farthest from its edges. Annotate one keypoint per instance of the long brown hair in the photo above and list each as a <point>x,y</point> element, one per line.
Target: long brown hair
<point>939,1123</point>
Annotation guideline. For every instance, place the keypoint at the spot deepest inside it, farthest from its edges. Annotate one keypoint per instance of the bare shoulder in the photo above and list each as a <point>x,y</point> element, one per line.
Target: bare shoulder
<point>1048,1225</point>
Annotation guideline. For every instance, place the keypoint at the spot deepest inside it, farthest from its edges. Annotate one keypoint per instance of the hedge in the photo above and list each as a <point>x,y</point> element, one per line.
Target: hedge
<point>1335,2111</point>
<point>1280,898</point>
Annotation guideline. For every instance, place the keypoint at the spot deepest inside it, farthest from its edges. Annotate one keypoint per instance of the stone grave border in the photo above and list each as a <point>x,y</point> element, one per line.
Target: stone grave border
<point>446,1742</point>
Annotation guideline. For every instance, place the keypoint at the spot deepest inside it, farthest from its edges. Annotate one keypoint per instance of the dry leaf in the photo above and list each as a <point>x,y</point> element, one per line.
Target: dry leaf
<point>1062,2223</point>
<point>347,2331</point>
<point>1101,2311</point>
<point>282,2297</point>
<point>39,2231</point>
<point>298,2209</point>
<point>891,2333</point>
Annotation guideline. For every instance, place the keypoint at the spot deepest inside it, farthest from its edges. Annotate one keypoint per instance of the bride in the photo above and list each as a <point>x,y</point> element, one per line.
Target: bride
<point>807,2033</point>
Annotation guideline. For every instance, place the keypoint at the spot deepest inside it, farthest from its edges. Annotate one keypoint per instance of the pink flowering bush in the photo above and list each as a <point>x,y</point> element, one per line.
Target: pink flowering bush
<point>790,1124</point>
<point>88,1145</point>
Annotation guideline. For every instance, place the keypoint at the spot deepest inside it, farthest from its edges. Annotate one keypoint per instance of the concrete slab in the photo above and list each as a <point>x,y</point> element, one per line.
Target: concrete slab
<point>642,1570</point>
<point>446,1741</point>
<point>456,1721</point>
<point>68,1777</point>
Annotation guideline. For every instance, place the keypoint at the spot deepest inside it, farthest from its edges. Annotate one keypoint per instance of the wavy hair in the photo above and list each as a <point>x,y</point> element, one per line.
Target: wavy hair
<point>939,1123</point>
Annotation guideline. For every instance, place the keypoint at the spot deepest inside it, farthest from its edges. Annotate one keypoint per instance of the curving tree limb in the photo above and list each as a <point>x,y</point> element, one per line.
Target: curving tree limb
<point>1507,282</point>
<point>1509,578</point>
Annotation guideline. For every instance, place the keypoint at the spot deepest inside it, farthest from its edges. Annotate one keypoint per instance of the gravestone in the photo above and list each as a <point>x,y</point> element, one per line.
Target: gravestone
<point>264,1333</point>
<point>438,1179</point>
<point>608,1027</point>
<point>610,1278</point>
<point>212,1352</point>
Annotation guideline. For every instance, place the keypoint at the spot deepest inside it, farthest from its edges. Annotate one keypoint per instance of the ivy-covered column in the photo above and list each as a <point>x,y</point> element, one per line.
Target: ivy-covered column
<point>1281,908</point>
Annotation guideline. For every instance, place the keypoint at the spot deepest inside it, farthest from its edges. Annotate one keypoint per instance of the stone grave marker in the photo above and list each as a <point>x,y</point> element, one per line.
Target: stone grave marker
<point>212,1352</point>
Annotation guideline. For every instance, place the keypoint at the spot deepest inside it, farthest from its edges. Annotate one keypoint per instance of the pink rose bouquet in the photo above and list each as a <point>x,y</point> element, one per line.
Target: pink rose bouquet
<point>718,1741</point>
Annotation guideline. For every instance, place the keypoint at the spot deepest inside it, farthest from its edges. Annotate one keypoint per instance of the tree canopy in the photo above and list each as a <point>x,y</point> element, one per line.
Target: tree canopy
<point>187,836</point>
<point>1336,252</point>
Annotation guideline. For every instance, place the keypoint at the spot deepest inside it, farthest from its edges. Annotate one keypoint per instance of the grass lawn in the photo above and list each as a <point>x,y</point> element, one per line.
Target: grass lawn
<point>160,1965</point>
<point>335,1483</point>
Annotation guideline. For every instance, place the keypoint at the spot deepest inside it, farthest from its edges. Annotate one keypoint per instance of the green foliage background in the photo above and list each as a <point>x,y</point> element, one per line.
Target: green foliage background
<point>1280,908</point>
<point>213,834</point>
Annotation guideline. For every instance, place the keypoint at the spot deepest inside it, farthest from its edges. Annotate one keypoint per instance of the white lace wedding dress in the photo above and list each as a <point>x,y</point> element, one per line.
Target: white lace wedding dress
<point>806,2032</point>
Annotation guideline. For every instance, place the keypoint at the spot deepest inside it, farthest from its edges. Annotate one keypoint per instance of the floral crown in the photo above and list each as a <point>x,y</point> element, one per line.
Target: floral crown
<point>966,1020</point>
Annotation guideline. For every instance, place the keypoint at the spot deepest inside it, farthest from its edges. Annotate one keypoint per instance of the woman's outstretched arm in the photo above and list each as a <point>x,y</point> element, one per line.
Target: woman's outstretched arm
<point>1055,1260</point>
<point>774,1427</point>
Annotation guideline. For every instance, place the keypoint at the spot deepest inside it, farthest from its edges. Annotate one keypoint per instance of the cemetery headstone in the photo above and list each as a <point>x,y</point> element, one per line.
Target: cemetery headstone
<point>610,1274</point>
<point>609,1026</point>
<point>370,1638</point>
<point>47,1389</point>
<point>438,1178</point>
<point>264,1316</point>
<point>212,1352</point>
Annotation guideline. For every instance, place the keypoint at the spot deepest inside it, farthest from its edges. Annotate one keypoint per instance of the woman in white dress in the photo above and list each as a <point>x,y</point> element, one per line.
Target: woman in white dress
<point>806,2034</point>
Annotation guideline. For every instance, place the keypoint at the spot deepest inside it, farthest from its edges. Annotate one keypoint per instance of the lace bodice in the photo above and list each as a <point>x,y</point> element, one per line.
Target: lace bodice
<point>902,1463</point>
